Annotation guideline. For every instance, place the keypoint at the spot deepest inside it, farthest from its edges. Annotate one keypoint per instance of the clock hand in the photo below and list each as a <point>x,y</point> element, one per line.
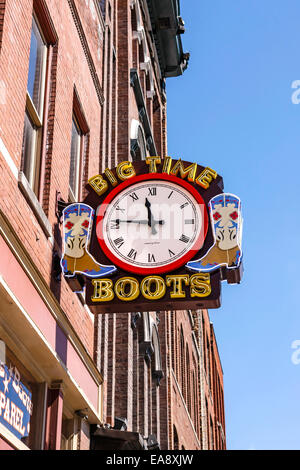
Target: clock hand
<point>148,205</point>
<point>118,221</point>
<point>144,222</point>
<point>151,221</point>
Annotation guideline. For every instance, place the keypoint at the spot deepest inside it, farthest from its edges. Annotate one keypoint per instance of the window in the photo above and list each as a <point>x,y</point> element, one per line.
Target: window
<point>79,151</point>
<point>33,124</point>
<point>211,434</point>
<point>175,439</point>
<point>102,7</point>
<point>141,145</point>
<point>76,161</point>
<point>138,142</point>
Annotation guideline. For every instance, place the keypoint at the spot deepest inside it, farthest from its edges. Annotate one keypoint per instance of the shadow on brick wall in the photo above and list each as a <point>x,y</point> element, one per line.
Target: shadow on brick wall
<point>55,283</point>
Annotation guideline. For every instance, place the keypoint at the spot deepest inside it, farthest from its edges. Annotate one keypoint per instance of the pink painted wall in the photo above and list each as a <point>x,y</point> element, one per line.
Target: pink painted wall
<point>30,300</point>
<point>4,445</point>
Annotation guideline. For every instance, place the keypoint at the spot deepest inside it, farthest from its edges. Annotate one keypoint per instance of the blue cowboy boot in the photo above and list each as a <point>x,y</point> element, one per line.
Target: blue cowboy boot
<point>77,223</point>
<point>226,221</point>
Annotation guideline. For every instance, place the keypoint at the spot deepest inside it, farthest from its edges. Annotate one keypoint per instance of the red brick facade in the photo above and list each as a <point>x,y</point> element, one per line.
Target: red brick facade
<point>74,35</point>
<point>157,373</point>
<point>193,391</point>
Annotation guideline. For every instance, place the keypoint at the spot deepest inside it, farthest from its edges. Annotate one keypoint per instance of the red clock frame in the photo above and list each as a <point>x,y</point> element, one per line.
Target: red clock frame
<point>144,178</point>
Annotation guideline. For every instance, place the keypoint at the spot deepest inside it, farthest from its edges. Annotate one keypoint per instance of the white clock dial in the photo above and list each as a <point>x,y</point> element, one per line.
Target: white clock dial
<point>152,224</point>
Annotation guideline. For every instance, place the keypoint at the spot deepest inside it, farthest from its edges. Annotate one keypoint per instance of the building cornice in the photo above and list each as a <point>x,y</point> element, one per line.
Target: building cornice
<point>167,27</point>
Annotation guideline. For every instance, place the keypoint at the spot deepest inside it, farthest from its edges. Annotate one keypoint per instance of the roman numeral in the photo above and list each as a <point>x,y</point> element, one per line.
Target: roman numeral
<point>171,253</point>
<point>151,258</point>
<point>152,192</point>
<point>184,239</point>
<point>184,205</point>
<point>114,225</point>
<point>119,242</point>
<point>189,221</point>
<point>170,194</point>
<point>132,254</point>
<point>119,209</point>
<point>134,196</point>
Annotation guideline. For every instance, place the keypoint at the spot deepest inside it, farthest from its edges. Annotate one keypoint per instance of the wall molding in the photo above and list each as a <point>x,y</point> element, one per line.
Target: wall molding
<point>87,51</point>
<point>54,356</point>
<point>26,262</point>
<point>35,205</point>
<point>7,157</point>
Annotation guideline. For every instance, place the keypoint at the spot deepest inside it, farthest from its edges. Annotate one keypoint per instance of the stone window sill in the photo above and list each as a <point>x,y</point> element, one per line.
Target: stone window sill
<point>34,204</point>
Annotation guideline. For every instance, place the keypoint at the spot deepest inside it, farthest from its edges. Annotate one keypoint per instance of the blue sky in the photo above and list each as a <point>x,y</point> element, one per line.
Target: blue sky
<point>232,110</point>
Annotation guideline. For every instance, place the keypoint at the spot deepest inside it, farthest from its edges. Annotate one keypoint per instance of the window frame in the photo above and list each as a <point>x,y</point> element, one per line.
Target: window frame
<point>75,197</point>
<point>78,117</point>
<point>36,117</point>
<point>137,140</point>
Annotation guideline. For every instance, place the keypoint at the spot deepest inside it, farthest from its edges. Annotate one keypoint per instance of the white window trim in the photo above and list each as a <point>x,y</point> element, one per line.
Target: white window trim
<point>35,205</point>
<point>36,116</point>
<point>7,157</point>
<point>11,438</point>
<point>134,132</point>
<point>74,197</point>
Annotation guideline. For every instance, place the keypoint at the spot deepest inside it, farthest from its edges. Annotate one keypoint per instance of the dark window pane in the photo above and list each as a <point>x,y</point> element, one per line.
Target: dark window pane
<point>102,6</point>
<point>142,144</point>
<point>139,147</point>
<point>75,158</point>
<point>37,49</point>
<point>28,150</point>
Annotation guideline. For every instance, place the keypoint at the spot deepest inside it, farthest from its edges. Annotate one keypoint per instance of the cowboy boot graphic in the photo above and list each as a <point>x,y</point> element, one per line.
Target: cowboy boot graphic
<point>226,221</point>
<point>77,224</point>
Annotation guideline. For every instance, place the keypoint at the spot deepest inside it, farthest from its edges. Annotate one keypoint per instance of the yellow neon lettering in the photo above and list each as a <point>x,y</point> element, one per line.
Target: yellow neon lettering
<point>152,162</point>
<point>111,177</point>
<point>167,163</point>
<point>102,290</point>
<point>98,184</point>
<point>200,285</point>
<point>177,282</point>
<point>206,177</point>
<point>189,172</point>
<point>159,287</point>
<point>121,289</point>
<point>125,170</point>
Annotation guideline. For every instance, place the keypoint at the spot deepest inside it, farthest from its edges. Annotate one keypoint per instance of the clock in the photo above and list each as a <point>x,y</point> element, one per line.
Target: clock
<point>152,224</point>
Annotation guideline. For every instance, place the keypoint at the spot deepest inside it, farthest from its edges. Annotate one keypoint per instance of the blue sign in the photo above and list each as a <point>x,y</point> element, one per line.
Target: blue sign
<point>15,402</point>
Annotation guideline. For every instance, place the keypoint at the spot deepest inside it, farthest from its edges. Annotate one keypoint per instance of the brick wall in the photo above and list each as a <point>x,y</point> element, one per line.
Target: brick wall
<point>130,390</point>
<point>218,395</point>
<point>2,10</point>
<point>75,58</point>
<point>183,393</point>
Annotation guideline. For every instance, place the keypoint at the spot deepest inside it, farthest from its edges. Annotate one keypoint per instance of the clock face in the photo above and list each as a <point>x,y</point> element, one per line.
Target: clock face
<point>153,225</point>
